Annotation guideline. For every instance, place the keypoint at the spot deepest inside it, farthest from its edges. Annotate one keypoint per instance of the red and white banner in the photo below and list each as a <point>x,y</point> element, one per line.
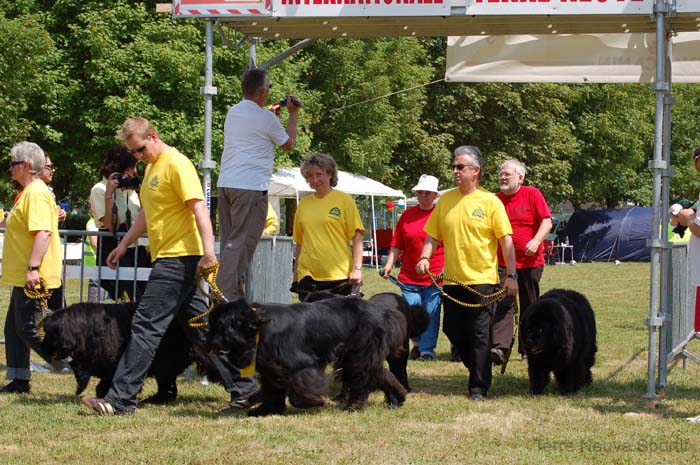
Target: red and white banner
<point>350,8</point>
<point>222,8</point>
<point>559,7</point>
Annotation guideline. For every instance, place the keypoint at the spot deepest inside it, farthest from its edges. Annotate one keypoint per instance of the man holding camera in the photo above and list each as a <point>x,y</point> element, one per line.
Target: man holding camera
<point>251,133</point>
<point>182,244</point>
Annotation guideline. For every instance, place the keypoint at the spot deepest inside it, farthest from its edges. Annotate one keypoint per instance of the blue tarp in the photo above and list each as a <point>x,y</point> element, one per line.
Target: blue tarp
<point>609,235</point>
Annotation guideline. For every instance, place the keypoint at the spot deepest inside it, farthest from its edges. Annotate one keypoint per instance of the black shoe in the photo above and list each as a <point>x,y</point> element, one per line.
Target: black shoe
<point>454,355</point>
<point>82,378</point>
<point>427,358</point>
<point>414,354</point>
<point>16,386</point>
<point>477,396</point>
<point>498,356</point>
<point>243,402</point>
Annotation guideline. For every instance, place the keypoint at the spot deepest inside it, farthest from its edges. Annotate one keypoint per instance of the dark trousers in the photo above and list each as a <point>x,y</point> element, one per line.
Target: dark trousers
<point>503,317</point>
<point>22,334</point>
<point>469,331</point>
<point>171,292</point>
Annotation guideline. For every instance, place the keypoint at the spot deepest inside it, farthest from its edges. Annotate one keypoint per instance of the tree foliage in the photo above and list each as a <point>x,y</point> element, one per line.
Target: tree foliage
<point>72,70</point>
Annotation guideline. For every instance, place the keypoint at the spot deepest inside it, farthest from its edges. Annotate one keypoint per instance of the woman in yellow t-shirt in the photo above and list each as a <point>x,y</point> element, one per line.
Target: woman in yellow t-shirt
<point>326,223</point>
<point>31,255</point>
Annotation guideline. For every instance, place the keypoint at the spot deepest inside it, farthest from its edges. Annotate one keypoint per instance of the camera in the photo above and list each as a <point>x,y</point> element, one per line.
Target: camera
<point>127,182</point>
<point>295,101</point>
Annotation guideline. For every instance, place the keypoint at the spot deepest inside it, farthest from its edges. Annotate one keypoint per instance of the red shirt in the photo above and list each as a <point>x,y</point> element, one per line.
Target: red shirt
<point>409,237</point>
<point>526,209</point>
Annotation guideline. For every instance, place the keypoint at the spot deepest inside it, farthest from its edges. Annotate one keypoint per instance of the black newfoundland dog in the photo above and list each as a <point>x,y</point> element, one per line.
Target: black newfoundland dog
<point>94,335</point>
<point>402,324</point>
<point>292,345</point>
<point>560,336</point>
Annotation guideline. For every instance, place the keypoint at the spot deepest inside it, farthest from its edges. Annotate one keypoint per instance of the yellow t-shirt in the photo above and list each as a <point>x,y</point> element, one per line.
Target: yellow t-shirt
<point>272,224</point>
<point>469,227</point>
<point>34,211</point>
<point>167,184</point>
<point>323,228</point>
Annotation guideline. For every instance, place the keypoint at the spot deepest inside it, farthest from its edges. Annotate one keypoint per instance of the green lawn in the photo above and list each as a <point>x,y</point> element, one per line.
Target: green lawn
<point>606,423</point>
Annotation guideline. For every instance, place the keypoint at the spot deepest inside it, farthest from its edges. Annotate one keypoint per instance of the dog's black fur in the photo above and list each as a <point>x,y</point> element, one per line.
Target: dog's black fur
<point>402,324</point>
<point>297,342</point>
<point>559,333</point>
<point>94,335</point>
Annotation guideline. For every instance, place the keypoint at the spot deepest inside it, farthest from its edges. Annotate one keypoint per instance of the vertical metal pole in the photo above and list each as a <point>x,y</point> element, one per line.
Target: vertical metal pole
<point>252,54</point>
<point>208,91</point>
<point>666,263</point>
<point>656,244</point>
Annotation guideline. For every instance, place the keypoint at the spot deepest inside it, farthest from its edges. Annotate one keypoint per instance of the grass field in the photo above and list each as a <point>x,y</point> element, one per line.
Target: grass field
<point>608,422</point>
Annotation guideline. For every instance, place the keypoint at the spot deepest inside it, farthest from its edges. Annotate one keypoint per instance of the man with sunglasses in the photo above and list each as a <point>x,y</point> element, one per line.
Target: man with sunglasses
<point>471,223</point>
<point>251,133</point>
<point>182,244</point>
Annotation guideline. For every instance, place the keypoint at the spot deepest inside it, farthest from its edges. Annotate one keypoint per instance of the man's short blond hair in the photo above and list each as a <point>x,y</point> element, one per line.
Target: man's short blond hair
<point>131,126</point>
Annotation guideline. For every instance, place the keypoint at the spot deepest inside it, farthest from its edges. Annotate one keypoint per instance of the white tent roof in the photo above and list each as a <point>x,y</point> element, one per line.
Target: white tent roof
<point>288,182</point>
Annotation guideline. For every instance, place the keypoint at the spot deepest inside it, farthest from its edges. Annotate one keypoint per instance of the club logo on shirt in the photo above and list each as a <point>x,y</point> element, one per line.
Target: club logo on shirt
<point>335,211</point>
<point>478,213</point>
<point>153,183</point>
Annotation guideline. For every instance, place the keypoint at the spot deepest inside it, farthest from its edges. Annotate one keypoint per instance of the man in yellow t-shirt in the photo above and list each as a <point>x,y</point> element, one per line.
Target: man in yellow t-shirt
<point>272,223</point>
<point>182,244</point>
<point>471,223</point>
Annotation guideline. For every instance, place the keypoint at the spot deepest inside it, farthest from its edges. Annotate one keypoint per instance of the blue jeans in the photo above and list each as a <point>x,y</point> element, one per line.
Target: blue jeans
<point>171,292</point>
<point>429,298</point>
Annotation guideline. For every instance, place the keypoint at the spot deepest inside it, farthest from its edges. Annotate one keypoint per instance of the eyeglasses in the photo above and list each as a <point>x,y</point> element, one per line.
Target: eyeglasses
<point>50,167</point>
<point>459,166</point>
<point>15,163</point>
<point>138,149</point>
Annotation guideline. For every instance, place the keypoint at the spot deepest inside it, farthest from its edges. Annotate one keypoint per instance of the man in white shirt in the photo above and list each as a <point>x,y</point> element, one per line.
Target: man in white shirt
<point>251,133</point>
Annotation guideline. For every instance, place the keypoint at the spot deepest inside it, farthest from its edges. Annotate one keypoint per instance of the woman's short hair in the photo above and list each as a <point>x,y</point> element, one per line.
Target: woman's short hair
<point>29,152</point>
<point>323,161</point>
<point>117,160</point>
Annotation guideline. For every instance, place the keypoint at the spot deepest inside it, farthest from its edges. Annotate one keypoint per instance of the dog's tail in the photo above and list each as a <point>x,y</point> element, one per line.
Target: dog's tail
<point>417,319</point>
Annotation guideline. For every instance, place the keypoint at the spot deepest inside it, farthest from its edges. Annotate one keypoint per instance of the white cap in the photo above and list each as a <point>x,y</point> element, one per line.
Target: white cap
<point>426,183</point>
<point>675,209</point>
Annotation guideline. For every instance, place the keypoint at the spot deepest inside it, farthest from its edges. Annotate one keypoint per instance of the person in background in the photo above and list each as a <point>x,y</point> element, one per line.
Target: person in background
<point>471,223</point>
<point>409,237</point>
<point>272,223</point>
<point>47,176</point>
<point>182,245</point>
<point>328,233</point>
<point>690,218</point>
<point>114,209</point>
<point>251,133</point>
<point>531,221</point>
<point>31,259</point>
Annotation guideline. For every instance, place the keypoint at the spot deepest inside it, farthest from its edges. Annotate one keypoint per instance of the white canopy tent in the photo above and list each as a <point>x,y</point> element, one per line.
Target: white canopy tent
<point>289,183</point>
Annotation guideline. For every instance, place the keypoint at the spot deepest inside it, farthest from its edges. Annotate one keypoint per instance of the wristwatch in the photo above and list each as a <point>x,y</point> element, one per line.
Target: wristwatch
<point>32,268</point>
<point>358,268</point>
<point>512,275</point>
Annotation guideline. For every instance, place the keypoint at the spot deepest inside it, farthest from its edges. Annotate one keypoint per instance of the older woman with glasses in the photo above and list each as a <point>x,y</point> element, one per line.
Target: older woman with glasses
<point>31,259</point>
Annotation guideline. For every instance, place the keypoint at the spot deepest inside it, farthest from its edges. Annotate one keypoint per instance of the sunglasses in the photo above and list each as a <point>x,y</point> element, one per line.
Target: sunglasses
<point>139,149</point>
<point>50,167</point>
<point>15,163</point>
<point>459,166</point>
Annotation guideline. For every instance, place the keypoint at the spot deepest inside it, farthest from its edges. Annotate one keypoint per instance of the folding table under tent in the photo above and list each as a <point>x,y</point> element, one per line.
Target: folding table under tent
<point>310,19</point>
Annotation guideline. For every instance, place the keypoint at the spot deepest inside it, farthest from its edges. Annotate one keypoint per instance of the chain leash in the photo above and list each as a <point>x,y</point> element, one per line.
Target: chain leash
<point>488,298</point>
<point>42,295</point>
<point>208,274</point>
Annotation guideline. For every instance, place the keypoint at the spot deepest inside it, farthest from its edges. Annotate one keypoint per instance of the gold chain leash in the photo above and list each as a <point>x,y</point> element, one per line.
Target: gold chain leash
<point>208,274</point>
<point>42,295</point>
<point>488,298</point>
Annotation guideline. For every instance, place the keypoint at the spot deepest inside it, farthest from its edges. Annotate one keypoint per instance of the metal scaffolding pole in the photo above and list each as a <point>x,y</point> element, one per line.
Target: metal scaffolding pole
<point>658,242</point>
<point>208,91</point>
